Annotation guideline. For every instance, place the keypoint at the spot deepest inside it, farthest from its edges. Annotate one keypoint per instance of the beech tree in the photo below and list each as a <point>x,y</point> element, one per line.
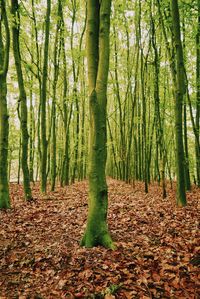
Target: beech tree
<point>23,114</point>
<point>179,91</point>
<point>197,140</point>
<point>4,129</point>
<point>98,27</point>
<point>43,100</point>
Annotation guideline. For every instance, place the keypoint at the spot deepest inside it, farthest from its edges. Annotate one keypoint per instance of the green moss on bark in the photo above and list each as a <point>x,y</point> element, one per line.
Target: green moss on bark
<point>98,26</point>
<point>4,125</point>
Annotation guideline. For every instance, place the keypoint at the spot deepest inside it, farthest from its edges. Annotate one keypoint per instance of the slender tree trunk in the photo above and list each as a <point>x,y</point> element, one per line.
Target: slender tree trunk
<point>44,142</point>
<point>4,125</point>
<point>122,150</point>
<point>179,93</point>
<point>67,114</point>
<point>38,75</point>
<point>75,96</point>
<point>22,100</point>
<point>158,123</point>
<point>113,148</point>
<point>76,71</point>
<point>131,103</point>
<point>197,139</point>
<point>187,171</point>
<point>187,166</point>
<point>143,67</point>
<point>55,80</point>
<point>98,27</point>
<point>177,72</point>
<point>32,135</point>
<point>19,160</point>
<point>83,150</point>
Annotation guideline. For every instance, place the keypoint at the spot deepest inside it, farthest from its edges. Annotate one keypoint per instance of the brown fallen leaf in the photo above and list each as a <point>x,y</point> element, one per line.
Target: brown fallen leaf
<point>40,252</point>
<point>109,296</point>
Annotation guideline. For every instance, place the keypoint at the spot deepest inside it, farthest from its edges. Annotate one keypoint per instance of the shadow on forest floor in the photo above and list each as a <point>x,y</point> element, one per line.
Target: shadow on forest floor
<point>157,256</point>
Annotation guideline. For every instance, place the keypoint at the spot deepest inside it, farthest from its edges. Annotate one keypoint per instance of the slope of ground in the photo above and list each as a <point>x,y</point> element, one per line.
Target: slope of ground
<point>157,256</point>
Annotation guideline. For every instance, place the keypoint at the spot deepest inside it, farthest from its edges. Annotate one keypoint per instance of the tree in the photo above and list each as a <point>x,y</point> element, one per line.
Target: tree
<point>179,91</point>
<point>98,27</point>
<point>197,140</point>
<point>4,126</point>
<point>55,81</point>
<point>23,114</point>
<point>44,141</point>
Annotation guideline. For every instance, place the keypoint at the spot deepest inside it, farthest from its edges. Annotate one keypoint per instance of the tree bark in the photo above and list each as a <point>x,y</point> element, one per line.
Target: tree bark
<point>179,91</point>
<point>98,27</point>
<point>56,59</point>
<point>197,139</point>
<point>22,100</point>
<point>44,142</point>
<point>4,125</point>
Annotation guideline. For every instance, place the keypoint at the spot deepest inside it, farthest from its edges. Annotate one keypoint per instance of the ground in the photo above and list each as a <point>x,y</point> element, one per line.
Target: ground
<point>157,255</point>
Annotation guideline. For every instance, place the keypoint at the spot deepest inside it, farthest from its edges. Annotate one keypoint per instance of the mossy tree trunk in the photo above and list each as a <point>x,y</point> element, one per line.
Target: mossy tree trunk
<point>67,108</point>
<point>76,65</point>
<point>179,93</point>
<point>37,62</point>
<point>22,99</point>
<point>175,56</point>
<point>122,148</point>
<point>157,114</point>
<point>32,135</point>
<point>56,59</point>
<point>197,140</point>
<point>44,142</point>
<point>185,126</point>
<point>75,97</point>
<point>4,126</point>
<point>98,27</point>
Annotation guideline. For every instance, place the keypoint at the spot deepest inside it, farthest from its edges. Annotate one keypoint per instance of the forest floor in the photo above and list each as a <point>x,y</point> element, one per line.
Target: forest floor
<point>157,255</point>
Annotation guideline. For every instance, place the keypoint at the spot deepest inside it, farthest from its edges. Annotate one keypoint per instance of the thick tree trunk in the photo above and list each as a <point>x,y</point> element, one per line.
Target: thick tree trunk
<point>4,126</point>
<point>98,26</point>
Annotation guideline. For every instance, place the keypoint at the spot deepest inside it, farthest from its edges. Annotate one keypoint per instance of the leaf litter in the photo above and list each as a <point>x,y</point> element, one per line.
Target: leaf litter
<point>157,255</point>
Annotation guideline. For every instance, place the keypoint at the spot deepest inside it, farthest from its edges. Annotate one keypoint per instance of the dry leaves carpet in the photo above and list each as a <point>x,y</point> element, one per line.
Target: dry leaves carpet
<point>157,256</point>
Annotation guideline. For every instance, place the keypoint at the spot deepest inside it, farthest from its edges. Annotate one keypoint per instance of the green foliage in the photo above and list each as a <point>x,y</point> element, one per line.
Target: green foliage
<point>113,289</point>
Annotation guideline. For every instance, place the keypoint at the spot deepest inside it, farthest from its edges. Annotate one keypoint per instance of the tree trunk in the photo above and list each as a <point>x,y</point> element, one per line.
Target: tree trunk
<point>44,142</point>
<point>55,80</point>
<point>187,165</point>
<point>98,27</point>
<point>179,93</point>
<point>197,140</point>
<point>66,114</point>
<point>22,100</point>
<point>4,126</point>
<point>32,135</point>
